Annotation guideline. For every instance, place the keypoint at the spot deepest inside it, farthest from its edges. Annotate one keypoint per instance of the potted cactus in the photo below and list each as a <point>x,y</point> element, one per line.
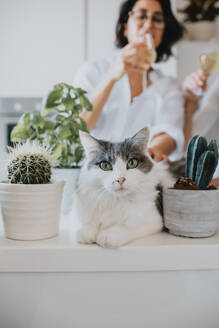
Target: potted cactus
<point>30,203</point>
<point>191,207</point>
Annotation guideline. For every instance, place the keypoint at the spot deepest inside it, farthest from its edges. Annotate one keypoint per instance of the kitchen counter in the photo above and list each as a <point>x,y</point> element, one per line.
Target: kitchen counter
<point>160,252</point>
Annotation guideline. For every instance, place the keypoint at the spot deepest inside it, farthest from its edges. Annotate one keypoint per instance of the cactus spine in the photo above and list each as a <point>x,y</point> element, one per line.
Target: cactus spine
<point>29,164</point>
<point>201,161</point>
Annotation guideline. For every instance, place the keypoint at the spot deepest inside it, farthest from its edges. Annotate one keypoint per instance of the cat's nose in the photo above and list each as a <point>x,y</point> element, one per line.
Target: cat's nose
<point>121,180</point>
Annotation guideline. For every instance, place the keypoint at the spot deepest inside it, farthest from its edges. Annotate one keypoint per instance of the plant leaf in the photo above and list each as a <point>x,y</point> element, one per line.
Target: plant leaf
<point>79,152</point>
<point>47,111</point>
<point>48,125</point>
<point>64,132</point>
<point>57,151</point>
<point>54,98</point>
<point>86,103</point>
<point>21,133</point>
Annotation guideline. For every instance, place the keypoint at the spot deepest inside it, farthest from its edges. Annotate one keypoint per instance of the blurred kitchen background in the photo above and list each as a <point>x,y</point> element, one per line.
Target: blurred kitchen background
<point>44,42</point>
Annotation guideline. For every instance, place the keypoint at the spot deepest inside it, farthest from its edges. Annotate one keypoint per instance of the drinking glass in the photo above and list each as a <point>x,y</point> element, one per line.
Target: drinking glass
<point>149,59</point>
<point>209,63</point>
<point>144,62</point>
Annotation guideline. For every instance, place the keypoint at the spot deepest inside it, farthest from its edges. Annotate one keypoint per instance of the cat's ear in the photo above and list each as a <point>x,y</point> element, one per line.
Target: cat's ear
<point>141,138</point>
<point>89,143</point>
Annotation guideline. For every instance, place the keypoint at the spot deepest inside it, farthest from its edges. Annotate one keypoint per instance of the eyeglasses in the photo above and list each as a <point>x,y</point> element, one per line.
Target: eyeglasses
<point>141,16</point>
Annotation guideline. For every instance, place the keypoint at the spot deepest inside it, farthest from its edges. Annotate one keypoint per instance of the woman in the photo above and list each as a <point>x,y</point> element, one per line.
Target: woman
<point>121,103</point>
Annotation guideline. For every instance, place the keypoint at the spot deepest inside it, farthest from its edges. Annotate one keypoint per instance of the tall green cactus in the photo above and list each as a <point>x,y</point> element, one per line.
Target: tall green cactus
<point>201,161</point>
<point>213,147</point>
<point>196,147</point>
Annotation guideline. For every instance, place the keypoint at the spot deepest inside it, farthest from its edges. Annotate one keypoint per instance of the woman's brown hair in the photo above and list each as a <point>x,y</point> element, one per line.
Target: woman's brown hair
<point>173,30</point>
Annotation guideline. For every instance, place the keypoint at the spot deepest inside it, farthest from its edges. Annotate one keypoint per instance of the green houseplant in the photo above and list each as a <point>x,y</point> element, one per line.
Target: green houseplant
<point>191,208</point>
<point>199,18</point>
<point>27,213</point>
<point>58,127</point>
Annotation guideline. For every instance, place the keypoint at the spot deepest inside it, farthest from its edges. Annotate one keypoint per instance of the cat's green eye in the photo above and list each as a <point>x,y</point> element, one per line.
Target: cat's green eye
<point>106,166</point>
<point>132,163</point>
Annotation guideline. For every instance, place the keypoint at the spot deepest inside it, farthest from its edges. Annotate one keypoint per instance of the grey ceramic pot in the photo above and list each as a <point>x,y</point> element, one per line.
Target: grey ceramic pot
<point>191,213</point>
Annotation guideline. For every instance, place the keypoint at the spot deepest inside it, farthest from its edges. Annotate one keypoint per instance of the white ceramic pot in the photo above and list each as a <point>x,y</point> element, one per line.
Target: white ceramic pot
<point>31,212</point>
<point>201,31</point>
<point>191,213</point>
<point>70,177</point>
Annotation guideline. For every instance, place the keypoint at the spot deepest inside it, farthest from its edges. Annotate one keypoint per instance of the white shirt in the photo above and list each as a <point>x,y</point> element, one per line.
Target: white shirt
<point>208,112</point>
<point>160,106</point>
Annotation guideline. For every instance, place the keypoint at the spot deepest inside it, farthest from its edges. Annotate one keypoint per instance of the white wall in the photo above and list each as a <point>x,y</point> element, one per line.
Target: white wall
<point>102,17</point>
<point>44,42</point>
<point>41,44</point>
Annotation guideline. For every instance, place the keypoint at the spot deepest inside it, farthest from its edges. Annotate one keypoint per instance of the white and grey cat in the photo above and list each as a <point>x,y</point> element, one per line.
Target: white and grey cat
<point>117,191</point>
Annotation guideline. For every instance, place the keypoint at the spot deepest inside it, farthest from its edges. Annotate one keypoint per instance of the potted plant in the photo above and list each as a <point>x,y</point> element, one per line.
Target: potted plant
<point>199,16</point>
<point>58,127</point>
<point>30,203</point>
<point>191,208</point>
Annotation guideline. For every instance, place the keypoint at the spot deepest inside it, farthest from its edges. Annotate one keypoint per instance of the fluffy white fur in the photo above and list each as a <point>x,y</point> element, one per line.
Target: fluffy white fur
<point>111,215</point>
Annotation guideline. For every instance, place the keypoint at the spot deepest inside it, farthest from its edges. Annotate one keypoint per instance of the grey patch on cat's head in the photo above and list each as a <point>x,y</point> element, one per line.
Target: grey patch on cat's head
<point>105,151</point>
<point>134,147</point>
<point>131,149</point>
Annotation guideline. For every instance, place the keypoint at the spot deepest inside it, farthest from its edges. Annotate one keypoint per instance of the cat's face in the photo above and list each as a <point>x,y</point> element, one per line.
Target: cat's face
<point>119,168</point>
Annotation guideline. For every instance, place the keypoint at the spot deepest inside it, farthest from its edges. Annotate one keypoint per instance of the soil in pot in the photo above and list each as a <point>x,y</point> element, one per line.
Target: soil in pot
<point>184,183</point>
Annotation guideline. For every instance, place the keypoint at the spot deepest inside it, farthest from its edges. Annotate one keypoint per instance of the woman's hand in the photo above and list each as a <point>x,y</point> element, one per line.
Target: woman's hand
<point>157,155</point>
<point>215,182</point>
<point>194,81</point>
<point>161,145</point>
<point>131,58</point>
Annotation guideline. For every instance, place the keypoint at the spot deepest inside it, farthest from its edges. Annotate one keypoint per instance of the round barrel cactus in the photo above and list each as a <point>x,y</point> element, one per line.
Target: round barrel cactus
<point>29,163</point>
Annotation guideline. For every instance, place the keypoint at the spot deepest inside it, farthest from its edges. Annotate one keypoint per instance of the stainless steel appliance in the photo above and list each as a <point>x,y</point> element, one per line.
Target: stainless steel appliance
<point>11,110</point>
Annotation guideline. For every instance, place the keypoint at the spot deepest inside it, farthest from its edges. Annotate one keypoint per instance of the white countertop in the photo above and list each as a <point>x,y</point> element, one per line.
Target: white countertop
<point>160,252</point>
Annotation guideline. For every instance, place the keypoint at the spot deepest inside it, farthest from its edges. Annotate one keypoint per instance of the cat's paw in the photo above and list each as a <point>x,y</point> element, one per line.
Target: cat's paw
<point>87,235</point>
<point>111,238</point>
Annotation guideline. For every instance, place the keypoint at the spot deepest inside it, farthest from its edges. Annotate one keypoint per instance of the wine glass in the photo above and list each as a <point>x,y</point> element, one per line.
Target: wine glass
<point>209,63</point>
<point>149,59</point>
<point>144,62</point>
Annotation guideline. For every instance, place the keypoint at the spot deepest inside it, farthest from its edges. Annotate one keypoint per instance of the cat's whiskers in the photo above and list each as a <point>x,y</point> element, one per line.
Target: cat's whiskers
<point>100,193</point>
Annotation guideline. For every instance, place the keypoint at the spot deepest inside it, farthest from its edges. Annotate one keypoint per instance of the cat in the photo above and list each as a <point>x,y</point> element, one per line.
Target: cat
<point>116,193</point>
